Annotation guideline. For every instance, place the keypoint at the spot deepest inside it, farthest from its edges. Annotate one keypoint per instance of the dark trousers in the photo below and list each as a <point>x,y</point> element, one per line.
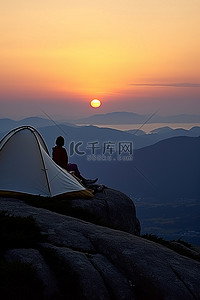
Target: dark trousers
<point>74,168</point>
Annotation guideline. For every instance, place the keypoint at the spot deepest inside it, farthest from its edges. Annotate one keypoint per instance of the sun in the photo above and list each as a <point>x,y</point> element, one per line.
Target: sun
<point>95,103</point>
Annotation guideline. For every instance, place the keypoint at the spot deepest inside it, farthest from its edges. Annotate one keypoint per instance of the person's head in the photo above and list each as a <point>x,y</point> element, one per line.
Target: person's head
<point>60,141</point>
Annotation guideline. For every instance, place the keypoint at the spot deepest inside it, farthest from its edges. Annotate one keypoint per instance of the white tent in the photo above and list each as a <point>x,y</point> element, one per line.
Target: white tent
<point>27,168</point>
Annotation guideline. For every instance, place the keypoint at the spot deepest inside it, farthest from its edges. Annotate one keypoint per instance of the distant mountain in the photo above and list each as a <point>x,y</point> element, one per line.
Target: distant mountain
<point>133,118</point>
<point>195,131</point>
<point>88,134</point>
<point>167,169</point>
<point>113,118</point>
<point>135,131</point>
<point>106,119</point>
<point>37,122</point>
<point>7,124</point>
<point>172,166</point>
<point>167,132</point>
<point>162,130</point>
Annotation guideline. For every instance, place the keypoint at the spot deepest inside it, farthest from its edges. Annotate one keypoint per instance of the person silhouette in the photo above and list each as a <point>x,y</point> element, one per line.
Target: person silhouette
<point>60,157</point>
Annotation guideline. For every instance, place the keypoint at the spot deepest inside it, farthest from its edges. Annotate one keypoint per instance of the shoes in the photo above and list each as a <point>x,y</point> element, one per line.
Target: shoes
<point>89,181</point>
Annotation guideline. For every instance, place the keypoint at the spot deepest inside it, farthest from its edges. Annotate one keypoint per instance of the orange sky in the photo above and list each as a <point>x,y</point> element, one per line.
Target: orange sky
<point>69,52</point>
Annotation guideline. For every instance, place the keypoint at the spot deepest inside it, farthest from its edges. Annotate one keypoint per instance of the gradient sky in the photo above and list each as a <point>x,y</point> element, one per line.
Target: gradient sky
<point>139,56</point>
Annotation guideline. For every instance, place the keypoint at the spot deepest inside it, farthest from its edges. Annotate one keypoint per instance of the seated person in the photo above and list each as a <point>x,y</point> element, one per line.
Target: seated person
<point>61,158</point>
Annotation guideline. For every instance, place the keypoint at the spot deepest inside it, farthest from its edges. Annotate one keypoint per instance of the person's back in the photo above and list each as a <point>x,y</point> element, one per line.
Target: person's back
<point>60,156</point>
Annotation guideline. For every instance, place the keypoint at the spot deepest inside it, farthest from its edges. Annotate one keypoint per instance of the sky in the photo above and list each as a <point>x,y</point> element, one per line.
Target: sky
<point>136,56</point>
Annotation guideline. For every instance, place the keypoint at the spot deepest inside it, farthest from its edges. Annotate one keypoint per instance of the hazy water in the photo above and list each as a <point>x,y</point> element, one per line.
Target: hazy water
<point>147,127</point>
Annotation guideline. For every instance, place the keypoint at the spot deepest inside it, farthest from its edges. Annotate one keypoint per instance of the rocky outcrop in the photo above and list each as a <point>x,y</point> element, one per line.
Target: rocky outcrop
<point>34,258</point>
<point>113,208</point>
<point>96,262</point>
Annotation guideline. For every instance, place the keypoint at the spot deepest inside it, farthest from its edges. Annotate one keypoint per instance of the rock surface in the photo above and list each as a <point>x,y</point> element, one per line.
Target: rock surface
<point>113,208</point>
<point>33,257</point>
<point>104,263</point>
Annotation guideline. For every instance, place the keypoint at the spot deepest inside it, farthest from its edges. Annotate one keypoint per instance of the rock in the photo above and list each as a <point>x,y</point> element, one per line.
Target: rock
<point>89,279</point>
<point>110,264</point>
<point>34,258</point>
<point>103,276</point>
<point>190,252</point>
<point>154,271</point>
<point>113,208</point>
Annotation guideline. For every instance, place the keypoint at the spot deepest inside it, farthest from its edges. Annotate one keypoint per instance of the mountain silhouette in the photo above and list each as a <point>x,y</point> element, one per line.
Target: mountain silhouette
<point>50,130</point>
<point>168,168</point>
<point>133,118</point>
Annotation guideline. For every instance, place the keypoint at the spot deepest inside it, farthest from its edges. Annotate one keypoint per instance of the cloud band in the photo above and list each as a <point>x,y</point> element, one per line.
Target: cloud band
<point>179,85</point>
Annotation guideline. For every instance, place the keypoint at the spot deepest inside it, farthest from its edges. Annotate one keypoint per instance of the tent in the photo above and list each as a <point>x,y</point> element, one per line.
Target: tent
<point>27,168</point>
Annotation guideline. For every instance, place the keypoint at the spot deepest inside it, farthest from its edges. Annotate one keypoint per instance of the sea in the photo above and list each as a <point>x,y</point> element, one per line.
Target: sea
<point>146,127</point>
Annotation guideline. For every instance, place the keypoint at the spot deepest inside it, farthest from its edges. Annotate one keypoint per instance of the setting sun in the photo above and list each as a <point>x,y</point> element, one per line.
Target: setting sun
<point>95,103</point>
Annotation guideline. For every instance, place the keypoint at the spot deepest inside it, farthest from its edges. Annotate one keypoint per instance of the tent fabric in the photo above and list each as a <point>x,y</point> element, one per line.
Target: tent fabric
<point>26,166</point>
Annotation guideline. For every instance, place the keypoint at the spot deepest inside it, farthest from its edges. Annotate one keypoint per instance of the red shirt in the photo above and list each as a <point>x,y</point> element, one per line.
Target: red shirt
<point>60,156</point>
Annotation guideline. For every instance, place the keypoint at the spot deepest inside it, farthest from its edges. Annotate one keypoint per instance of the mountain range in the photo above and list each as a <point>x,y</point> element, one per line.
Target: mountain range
<point>169,168</point>
<point>165,161</point>
<point>37,122</point>
<point>133,118</point>
<point>86,134</point>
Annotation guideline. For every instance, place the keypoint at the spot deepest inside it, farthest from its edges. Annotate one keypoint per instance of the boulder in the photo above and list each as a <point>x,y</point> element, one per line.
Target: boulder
<point>113,209</point>
<point>34,258</point>
<point>97,262</point>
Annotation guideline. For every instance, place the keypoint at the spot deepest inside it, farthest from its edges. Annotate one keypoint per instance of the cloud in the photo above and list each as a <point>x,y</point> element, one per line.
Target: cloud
<point>179,85</point>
